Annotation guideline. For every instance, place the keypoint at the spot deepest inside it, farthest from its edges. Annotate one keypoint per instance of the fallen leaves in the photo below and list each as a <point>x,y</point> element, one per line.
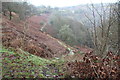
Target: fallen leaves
<point>94,66</point>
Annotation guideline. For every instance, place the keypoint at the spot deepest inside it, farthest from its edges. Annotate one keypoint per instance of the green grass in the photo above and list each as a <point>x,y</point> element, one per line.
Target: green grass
<point>23,64</point>
<point>80,52</point>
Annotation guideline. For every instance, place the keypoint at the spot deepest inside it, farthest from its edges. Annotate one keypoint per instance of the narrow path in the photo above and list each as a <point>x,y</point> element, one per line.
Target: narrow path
<point>43,27</point>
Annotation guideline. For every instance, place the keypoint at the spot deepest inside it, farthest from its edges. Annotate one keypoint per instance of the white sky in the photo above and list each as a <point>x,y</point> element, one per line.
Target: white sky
<point>63,3</point>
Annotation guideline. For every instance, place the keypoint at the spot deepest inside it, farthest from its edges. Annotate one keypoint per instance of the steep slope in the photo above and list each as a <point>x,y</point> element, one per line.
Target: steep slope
<point>25,65</point>
<point>28,37</point>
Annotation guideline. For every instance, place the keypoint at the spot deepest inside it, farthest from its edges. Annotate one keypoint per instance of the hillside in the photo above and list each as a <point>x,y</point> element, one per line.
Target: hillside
<point>25,65</point>
<point>33,53</point>
<point>79,12</point>
<point>45,42</point>
<point>35,41</point>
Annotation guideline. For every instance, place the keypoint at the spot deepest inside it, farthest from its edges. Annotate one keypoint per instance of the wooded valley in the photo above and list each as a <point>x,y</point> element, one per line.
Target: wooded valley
<point>75,42</point>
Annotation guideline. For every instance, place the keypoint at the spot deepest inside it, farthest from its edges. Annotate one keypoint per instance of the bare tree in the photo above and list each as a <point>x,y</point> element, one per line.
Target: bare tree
<point>101,32</point>
<point>119,27</point>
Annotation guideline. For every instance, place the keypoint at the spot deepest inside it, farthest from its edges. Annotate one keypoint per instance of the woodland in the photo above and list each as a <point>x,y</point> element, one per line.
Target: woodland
<point>76,42</point>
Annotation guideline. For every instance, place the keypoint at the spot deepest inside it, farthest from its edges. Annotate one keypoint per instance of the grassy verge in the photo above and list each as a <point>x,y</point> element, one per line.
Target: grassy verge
<point>23,64</point>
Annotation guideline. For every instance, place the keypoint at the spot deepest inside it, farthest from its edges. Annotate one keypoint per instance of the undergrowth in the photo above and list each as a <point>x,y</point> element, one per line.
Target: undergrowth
<point>23,64</point>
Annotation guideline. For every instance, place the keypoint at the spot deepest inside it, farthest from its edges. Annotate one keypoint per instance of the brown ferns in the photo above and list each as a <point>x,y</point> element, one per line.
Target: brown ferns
<point>96,67</point>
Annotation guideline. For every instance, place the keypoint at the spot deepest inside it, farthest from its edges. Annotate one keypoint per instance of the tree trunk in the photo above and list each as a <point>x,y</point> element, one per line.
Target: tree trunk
<point>10,15</point>
<point>119,28</point>
<point>4,13</point>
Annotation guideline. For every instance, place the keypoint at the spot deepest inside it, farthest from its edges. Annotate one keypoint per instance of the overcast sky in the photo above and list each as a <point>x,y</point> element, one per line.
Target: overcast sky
<point>63,3</point>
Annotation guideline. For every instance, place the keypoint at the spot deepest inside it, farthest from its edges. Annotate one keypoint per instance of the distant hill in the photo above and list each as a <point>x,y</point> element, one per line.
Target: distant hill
<point>79,12</point>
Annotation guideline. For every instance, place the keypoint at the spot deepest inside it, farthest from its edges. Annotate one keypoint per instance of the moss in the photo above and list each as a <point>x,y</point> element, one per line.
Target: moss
<point>23,64</point>
<point>20,64</point>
